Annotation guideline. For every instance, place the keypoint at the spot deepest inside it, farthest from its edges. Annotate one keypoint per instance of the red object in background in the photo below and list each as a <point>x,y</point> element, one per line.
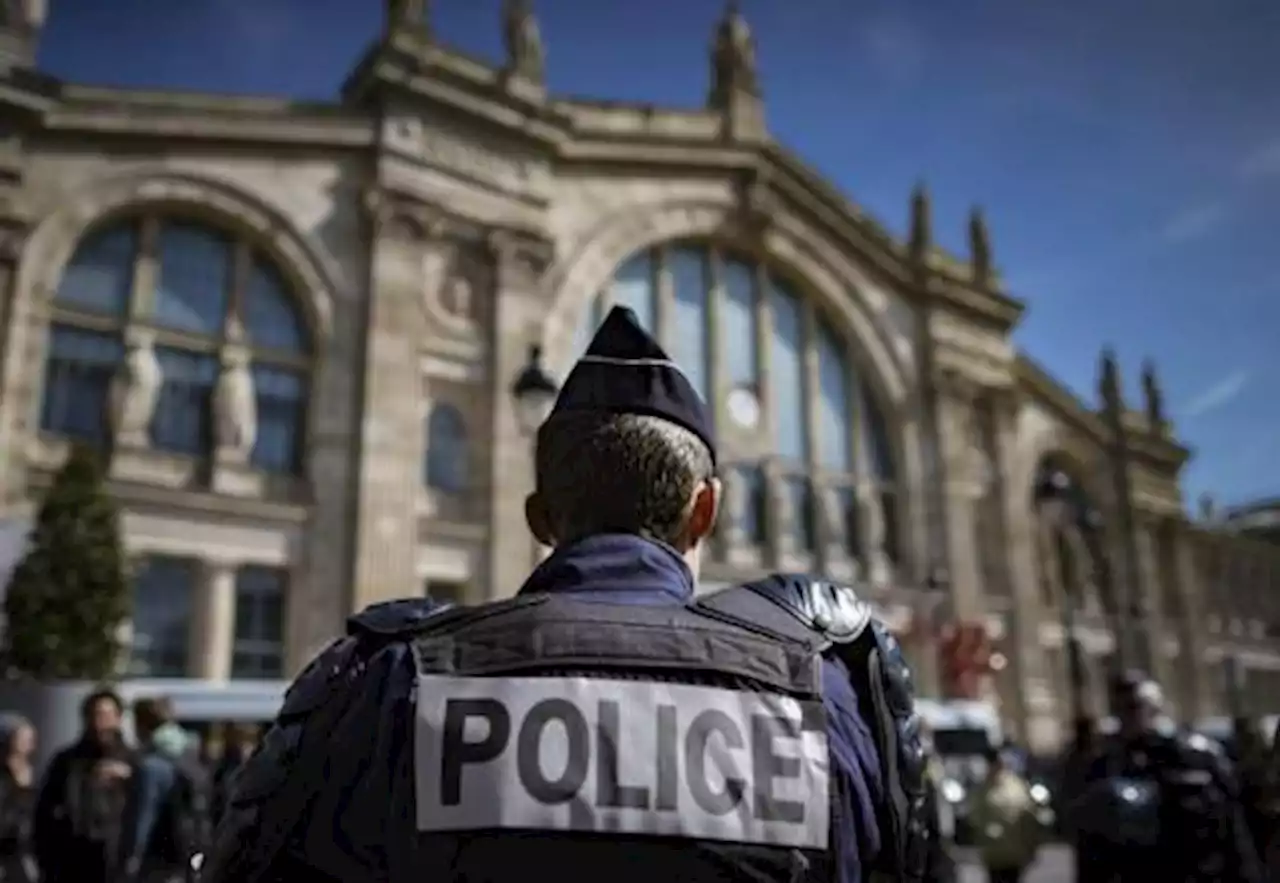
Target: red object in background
<point>965,648</point>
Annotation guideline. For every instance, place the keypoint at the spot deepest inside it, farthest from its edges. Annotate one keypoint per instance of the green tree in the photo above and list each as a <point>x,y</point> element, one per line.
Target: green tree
<point>70,594</point>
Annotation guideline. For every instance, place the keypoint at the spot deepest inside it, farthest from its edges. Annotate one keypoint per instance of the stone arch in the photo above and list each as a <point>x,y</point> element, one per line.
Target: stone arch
<point>820,270</point>
<point>573,281</point>
<point>308,269</point>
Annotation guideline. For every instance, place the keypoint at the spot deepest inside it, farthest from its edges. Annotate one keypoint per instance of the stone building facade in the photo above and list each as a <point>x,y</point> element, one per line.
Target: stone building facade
<point>295,327</point>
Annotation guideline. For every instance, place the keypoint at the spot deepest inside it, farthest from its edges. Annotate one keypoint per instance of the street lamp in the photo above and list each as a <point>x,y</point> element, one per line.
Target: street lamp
<point>534,391</point>
<point>1061,504</point>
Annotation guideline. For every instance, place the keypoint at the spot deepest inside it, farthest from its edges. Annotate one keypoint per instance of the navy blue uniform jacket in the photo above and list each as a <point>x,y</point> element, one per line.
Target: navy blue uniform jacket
<point>353,826</point>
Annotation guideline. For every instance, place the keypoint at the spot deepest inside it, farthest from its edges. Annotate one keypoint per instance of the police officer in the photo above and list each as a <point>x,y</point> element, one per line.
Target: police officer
<point>601,725</point>
<point>1156,804</point>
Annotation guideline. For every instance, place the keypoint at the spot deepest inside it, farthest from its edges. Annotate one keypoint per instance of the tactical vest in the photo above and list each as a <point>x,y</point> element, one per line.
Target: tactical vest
<point>836,622</point>
<point>598,742</point>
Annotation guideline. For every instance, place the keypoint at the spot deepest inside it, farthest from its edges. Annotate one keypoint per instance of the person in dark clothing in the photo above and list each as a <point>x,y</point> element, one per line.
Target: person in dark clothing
<point>17,801</point>
<point>80,808</point>
<point>240,741</point>
<point>374,772</point>
<point>1158,805</point>
<point>167,821</point>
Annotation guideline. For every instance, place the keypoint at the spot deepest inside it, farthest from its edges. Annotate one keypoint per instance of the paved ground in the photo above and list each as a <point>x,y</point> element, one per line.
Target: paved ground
<point>1055,865</point>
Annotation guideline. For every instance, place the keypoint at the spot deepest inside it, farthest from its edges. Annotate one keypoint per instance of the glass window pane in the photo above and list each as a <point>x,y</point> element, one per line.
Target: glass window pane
<point>79,368</point>
<point>786,371</point>
<point>195,269</point>
<point>738,324</point>
<point>183,419</point>
<point>281,397</point>
<point>445,592</point>
<point>271,316</point>
<point>162,593</point>
<point>258,651</point>
<point>633,287</point>
<point>448,463</point>
<point>688,269</point>
<point>100,275</point>
<point>835,428</point>
<point>876,438</point>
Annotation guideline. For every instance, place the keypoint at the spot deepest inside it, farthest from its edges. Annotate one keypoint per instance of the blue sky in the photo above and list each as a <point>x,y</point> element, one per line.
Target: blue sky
<point>1127,153</point>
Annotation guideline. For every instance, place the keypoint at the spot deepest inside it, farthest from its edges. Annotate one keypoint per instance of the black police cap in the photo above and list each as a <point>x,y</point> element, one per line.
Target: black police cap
<point>625,371</point>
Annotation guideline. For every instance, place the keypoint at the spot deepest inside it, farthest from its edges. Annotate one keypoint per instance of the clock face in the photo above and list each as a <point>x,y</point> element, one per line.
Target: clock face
<point>744,408</point>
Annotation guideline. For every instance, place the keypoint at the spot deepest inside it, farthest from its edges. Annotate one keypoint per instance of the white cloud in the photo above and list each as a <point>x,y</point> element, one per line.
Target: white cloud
<point>1220,394</point>
<point>1194,222</point>
<point>895,49</point>
<point>1262,162</point>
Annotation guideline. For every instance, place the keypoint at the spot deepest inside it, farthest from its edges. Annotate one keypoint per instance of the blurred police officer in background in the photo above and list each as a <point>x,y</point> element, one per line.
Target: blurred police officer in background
<point>1156,804</point>
<point>602,725</point>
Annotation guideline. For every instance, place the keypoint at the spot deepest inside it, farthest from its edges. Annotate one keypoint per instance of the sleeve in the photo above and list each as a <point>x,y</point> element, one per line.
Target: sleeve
<point>316,790</point>
<point>856,770</point>
<point>1243,853</point>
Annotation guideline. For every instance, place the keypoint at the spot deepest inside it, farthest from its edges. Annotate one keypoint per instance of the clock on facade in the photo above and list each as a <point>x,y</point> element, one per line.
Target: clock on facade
<point>743,407</point>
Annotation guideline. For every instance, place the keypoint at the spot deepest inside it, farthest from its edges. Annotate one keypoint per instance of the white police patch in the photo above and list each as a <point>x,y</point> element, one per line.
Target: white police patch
<point>632,757</point>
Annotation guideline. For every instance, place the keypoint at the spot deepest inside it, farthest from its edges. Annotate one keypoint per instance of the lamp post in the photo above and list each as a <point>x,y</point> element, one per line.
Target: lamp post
<point>534,391</point>
<point>1063,507</point>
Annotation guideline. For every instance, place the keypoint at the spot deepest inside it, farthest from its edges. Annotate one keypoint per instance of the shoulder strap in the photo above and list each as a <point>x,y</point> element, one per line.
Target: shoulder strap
<point>560,632</point>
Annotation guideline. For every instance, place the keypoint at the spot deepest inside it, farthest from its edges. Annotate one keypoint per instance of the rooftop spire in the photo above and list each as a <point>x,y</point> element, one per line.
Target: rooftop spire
<point>733,57</point>
<point>979,248</point>
<point>921,222</point>
<point>1109,381</point>
<point>522,38</point>
<point>1153,396</point>
<point>412,14</point>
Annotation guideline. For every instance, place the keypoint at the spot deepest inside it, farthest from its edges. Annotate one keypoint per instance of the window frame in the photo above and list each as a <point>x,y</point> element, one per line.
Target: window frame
<point>142,276</point>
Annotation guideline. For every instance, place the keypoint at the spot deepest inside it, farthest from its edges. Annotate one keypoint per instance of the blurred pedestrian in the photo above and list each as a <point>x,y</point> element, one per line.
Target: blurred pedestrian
<point>169,820</point>
<point>1159,805</point>
<point>240,740</point>
<point>1004,821</point>
<point>81,805</point>
<point>17,800</point>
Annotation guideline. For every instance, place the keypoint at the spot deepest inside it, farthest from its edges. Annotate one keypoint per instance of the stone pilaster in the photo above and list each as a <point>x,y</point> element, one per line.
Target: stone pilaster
<point>213,623</point>
<point>955,405</point>
<point>391,437</point>
<point>1034,698</point>
<point>1150,583</point>
<point>518,263</point>
<point>1192,670</point>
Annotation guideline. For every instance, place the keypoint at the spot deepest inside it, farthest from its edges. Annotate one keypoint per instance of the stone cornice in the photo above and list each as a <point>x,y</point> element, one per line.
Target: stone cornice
<point>1163,454</point>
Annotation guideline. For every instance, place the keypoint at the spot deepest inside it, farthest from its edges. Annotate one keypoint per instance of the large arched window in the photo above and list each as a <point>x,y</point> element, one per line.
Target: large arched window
<point>196,289</point>
<point>448,465</point>
<point>772,361</point>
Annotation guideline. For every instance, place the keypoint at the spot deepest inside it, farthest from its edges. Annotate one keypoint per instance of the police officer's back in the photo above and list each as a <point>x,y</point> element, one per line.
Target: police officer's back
<point>1156,804</point>
<point>600,725</point>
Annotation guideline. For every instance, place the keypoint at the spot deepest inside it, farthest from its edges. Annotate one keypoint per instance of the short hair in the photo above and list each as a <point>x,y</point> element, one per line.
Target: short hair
<point>152,712</point>
<point>102,694</point>
<point>618,473</point>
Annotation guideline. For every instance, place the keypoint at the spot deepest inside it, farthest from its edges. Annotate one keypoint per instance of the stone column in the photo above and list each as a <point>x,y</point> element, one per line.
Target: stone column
<point>1149,584</point>
<point>1033,700</point>
<point>213,623</point>
<point>1193,670</point>
<point>955,418</point>
<point>518,264</point>
<point>391,434</point>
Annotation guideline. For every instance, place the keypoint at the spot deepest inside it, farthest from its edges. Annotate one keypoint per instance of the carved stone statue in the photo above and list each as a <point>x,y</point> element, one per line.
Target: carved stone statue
<point>408,13</point>
<point>834,526</point>
<point>134,390</point>
<point>734,56</point>
<point>234,407</point>
<point>526,56</point>
<point>458,297</point>
<point>735,507</point>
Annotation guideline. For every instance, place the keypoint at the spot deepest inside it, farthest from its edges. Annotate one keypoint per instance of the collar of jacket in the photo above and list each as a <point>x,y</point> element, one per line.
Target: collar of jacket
<point>613,563</point>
